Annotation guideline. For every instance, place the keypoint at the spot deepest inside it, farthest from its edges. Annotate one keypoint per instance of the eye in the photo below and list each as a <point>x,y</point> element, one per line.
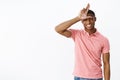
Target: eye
<point>85,20</point>
<point>91,18</point>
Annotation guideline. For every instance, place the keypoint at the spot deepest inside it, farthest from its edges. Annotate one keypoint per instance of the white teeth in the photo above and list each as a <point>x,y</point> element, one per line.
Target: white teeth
<point>88,25</point>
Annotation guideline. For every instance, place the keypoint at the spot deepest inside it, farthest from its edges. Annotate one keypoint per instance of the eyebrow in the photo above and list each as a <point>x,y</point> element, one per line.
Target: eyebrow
<point>87,18</point>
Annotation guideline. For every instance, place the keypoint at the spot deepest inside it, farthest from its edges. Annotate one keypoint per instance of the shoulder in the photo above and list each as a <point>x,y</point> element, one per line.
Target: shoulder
<point>103,37</point>
<point>75,32</point>
<point>104,40</point>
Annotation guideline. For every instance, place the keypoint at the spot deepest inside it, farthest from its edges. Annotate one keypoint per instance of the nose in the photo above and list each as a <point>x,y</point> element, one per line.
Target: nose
<point>88,21</point>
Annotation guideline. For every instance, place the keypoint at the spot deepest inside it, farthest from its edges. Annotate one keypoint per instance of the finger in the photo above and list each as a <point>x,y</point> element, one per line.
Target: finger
<point>87,8</point>
<point>85,17</point>
<point>83,10</point>
<point>88,17</point>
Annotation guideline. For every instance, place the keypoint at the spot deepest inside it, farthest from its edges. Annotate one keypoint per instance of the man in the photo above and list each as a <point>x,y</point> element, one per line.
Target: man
<point>90,45</point>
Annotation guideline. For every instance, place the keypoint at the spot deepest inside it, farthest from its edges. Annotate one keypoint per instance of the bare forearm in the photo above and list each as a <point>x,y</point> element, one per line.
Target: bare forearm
<point>107,72</point>
<point>65,25</point>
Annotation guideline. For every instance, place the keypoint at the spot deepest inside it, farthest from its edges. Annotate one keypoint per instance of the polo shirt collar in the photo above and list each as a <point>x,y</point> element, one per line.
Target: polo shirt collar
<point>93,34</point>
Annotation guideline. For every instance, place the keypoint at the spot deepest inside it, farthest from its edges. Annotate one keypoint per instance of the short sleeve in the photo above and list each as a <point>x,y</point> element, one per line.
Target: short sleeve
<point>106,46</point>
<point>73,31</point>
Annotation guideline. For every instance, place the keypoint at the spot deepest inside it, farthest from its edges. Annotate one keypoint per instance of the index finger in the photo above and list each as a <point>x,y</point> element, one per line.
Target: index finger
<point>87,8</point>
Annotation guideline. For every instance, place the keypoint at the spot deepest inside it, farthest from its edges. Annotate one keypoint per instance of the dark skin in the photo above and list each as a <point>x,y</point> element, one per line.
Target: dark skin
<point>91,22</point>
<point>88,21</point>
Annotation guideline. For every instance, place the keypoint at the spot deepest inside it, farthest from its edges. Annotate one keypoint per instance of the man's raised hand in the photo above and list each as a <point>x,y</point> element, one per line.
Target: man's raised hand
<point>83,13</point>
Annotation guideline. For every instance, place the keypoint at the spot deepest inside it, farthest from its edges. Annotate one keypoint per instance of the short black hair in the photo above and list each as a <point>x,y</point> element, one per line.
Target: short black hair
<point>91,12</point>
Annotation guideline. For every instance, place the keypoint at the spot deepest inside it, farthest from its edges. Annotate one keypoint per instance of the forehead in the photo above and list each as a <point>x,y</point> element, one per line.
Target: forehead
<point>89,14</point>
<point>89,17</point>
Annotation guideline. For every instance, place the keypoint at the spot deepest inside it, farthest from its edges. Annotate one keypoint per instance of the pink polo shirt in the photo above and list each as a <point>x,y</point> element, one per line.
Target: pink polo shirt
<point>88,50</point>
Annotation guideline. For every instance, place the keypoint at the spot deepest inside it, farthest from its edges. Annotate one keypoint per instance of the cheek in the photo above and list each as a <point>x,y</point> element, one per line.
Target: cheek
<point>93,22</point>
<point>83,22</point>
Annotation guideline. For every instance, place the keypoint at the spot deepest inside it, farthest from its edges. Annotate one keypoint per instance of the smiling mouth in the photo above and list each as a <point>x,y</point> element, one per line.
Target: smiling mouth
<point>88,25</point>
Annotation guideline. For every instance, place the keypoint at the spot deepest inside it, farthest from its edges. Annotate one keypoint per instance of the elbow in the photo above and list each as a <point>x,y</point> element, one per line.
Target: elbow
<point>57,29</point>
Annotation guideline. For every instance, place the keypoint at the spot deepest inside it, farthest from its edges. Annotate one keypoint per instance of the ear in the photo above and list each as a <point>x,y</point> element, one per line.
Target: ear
<point>95,19</point>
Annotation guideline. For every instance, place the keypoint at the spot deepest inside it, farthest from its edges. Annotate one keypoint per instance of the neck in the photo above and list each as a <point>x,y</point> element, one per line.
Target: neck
<point>91,31</point>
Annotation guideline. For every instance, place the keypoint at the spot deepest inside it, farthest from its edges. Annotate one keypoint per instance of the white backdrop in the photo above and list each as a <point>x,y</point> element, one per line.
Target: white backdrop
<point>30,49</point>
